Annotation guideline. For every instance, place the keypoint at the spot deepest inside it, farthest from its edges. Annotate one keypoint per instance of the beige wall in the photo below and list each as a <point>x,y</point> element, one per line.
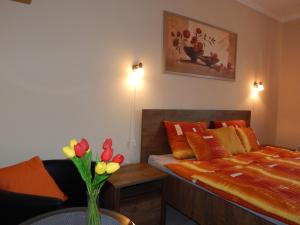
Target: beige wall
<point>289,93</point>
<point>63,71</point>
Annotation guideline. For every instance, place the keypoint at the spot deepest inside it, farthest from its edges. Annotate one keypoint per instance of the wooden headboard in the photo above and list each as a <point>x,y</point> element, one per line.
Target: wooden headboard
<point>154,139</point>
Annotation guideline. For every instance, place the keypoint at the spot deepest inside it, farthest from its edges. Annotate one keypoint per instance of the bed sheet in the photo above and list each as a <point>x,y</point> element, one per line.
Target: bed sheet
<point>160,162</point>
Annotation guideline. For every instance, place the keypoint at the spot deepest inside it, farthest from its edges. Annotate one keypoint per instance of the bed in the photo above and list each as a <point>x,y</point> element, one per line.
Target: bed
<point>199,204</point>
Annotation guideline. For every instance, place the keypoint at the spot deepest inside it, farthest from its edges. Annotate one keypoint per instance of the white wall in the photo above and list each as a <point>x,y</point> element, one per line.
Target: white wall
<point>63,71</point>
<point>288,119</point>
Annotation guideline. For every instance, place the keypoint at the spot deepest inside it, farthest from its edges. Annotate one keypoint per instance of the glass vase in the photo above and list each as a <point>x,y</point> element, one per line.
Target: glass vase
<point>93,213</point>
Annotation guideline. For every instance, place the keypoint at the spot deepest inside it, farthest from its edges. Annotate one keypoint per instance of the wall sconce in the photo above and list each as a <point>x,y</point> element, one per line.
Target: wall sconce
<point>138,69</point>
<point>137,73</point>
<point>258,86</point>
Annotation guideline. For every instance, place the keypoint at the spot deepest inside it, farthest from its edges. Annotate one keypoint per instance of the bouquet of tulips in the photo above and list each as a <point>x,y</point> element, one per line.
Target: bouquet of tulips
<point>81,155</point>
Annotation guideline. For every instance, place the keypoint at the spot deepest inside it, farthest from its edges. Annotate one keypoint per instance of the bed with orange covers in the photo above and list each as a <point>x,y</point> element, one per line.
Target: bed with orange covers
<point>267,181</point>
<point>254,188</point>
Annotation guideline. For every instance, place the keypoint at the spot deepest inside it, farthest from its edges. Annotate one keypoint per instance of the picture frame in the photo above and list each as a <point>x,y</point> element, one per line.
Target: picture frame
<point>195,48</point>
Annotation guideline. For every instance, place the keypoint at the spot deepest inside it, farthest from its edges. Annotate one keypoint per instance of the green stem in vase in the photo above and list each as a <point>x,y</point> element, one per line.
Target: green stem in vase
<point>93,211</point>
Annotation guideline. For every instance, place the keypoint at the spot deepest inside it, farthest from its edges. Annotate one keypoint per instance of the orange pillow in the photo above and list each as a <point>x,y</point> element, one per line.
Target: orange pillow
<point>227,123</point>
<point>228,137</point>
<point>206,146</point>
<point>176,137</point>
<point>248,138</point>
<point>30,177</point>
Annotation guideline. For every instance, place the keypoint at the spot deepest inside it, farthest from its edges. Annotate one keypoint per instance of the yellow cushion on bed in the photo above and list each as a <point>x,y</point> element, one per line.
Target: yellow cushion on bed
<point>229,139</point>
<point>244,139</point>
<point>206,146</point>
<point>248,138</point>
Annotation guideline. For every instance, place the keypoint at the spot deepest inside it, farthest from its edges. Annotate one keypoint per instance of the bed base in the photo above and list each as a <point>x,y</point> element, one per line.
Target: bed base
<point>206,208</point>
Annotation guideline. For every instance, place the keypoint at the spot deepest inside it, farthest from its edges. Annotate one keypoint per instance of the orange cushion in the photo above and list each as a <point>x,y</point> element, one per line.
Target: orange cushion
<point>248,138</point>
<point>30,177</point>
<point>228,137</point>
<point>227,123</point>
<point>206,146</point>
<point>176,137</point>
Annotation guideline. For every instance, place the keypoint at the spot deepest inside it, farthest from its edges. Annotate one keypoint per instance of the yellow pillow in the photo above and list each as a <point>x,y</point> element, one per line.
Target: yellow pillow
<point>206,146</point>
<point>229,139</point>
<point>248,138</point>
<point>244,139</point>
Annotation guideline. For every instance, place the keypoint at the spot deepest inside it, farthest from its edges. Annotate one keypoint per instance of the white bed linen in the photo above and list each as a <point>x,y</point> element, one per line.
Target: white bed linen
<point>159,161</point>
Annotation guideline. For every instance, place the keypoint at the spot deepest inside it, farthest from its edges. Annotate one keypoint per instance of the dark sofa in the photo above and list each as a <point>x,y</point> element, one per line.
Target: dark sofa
<point>15,208</point>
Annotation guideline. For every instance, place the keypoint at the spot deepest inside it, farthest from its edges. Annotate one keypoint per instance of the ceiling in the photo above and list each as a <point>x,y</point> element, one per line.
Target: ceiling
<point>281,10</point>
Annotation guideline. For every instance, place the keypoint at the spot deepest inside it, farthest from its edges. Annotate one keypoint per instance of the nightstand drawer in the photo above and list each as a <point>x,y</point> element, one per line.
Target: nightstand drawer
<point>143,209</point>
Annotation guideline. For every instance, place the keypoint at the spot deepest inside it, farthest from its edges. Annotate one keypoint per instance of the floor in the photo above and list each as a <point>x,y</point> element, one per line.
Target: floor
<point>173,217</point>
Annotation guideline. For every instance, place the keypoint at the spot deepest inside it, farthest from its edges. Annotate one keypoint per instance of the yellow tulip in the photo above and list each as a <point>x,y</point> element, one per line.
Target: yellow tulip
<point>68,151</point>
<point>73,142</point>
<point>100,168</point>
<point>112,167</point>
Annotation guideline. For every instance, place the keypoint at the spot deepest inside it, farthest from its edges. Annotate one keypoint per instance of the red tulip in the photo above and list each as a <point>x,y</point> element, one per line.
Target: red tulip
<point>194,40</point>
<point>186,33</point>
<point>214,55</point>
<point>79,150</point>
<point>107,143</point>
<point>107,154</point>
<point>175,42</point>
<point>84,144</point>
<point>118,158</point>
<point>200,45</point>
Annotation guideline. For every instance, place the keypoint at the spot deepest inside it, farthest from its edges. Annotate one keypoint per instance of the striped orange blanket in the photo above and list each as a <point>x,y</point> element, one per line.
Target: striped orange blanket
<point>266,181</point>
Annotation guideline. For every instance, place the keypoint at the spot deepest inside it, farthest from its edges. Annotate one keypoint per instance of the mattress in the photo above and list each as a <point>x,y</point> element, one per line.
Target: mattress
<point>159,161</point>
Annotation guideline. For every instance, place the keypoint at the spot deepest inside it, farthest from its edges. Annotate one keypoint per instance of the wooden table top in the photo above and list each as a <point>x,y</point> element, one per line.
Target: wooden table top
<point>132,174</point>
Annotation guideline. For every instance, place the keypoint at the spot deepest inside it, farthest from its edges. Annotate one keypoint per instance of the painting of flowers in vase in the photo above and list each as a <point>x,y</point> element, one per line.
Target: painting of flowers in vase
<point>198,49</point>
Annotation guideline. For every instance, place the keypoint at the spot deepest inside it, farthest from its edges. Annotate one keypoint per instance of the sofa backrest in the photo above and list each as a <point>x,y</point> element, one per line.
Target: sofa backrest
<point>67,177</point>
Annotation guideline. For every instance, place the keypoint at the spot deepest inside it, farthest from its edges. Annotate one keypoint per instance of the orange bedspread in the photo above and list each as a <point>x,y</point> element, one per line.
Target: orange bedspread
<point>267,181</point>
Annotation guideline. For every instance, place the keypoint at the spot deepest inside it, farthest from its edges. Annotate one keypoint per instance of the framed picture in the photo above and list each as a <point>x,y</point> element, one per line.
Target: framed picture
<point>195,48</point>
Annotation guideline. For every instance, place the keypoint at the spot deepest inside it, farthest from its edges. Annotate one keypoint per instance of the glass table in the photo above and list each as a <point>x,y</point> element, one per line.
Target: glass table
<point>77,216</point>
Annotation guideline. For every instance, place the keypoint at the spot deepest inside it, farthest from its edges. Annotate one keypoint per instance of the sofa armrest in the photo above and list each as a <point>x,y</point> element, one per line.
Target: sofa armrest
<point>17,207</point>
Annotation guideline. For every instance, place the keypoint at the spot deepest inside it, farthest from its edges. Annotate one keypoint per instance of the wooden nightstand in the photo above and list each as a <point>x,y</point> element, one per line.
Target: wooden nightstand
<point>136,191</point>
